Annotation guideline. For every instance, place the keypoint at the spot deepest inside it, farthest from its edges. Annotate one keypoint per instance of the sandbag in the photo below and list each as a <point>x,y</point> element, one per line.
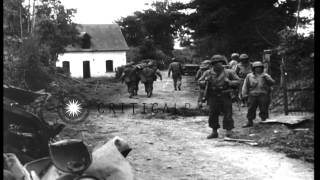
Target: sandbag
<point>108,162</point>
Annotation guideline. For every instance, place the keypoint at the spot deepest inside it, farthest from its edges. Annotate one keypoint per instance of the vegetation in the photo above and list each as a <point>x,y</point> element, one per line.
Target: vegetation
<point>32,42</point>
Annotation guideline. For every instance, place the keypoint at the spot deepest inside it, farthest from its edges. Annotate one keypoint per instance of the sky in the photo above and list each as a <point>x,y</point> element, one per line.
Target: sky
<point>106,11</point>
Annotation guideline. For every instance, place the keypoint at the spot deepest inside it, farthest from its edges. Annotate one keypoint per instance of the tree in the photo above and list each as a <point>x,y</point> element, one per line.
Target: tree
<point>35,51</point>
<point>54,27</point>
<point>240,26</point>
<point>158,24</point>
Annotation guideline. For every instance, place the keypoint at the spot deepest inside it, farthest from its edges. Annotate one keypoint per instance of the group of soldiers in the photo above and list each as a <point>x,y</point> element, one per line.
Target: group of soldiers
<point>219,80</point>
<point>146,72</point>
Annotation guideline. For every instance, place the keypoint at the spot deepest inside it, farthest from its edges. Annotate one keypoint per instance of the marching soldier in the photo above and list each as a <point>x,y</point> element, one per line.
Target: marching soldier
<point>256,88</point>
<point>131,78</point>
<point>219,82</point>
<point>147,76</point>
<point>176,68</point>
<point>205,65</point>
<point>234,61</point>
<point>243,68</point>
<point>154,66</point>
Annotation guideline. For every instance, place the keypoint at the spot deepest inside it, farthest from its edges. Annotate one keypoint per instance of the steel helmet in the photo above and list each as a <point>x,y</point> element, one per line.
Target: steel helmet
<point>244,56</point>
<point>205,64</point>
<point>257,64</point>
<point>218,58</point>
<point>235,55</point>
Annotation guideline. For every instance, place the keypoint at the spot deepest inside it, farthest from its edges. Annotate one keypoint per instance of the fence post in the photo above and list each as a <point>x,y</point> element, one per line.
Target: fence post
<point>284,85</point>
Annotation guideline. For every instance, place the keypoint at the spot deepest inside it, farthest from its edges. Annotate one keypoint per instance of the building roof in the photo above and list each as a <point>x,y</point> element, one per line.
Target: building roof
<point>104,37</point>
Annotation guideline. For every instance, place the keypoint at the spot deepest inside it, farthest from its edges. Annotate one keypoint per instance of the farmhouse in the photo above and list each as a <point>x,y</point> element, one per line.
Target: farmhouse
<point>102,50</point>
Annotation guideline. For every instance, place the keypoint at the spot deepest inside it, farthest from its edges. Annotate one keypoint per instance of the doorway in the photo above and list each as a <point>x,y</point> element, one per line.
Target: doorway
<point>66,66</point>
<point>109,66</point>
<point>86,69</point>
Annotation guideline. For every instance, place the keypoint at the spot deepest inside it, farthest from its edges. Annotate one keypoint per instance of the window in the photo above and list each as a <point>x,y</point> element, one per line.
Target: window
<point>109,66</point>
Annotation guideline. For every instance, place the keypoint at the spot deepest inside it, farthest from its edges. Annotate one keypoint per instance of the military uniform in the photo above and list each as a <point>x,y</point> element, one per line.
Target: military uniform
<point>256,88</point>
<point>243,68</point>
<point>131,78</point>
<point>205,65</point>
<point>234,61</point>
<point>176,69</point>
<point>219,88</point>
<point>147,76</point>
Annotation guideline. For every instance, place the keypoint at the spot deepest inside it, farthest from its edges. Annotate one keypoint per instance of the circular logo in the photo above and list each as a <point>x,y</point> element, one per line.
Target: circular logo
<point>73,109</point>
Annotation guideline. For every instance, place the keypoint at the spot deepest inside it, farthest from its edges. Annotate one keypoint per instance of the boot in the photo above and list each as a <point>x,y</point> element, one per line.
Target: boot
<point>249,124</point>
<point>214,134</point>
<point>229,133</point>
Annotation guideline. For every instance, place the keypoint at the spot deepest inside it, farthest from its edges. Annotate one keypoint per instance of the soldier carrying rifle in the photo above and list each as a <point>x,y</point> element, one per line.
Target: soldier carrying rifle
<point>219,85</point>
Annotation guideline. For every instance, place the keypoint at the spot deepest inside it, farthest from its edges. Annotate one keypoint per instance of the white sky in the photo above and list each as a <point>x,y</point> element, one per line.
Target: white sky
<point>106,11</point>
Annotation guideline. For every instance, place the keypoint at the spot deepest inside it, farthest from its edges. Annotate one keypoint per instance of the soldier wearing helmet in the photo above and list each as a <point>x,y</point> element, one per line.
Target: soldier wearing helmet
<point>256,88</point>
<point>153,64</point>
<point>176,68</point>
<point>219,83</point>
<point>234,61</point>
<point>205,65</point>
<point>243,68</point>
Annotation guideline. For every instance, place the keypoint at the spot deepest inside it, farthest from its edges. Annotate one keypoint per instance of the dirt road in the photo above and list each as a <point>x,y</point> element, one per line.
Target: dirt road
<point>176,147</point>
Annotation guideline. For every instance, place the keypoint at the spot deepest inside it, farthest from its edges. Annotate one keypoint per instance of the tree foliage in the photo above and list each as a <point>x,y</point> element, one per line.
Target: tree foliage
<point>153,30</point>
<point>32,43</point>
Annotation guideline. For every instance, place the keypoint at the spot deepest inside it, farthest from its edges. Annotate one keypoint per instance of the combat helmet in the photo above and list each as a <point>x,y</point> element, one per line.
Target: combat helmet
<point>257,64</point>
<point>244,57</point>
<point>205,64</point>
<point>235,55</point>
<point>218,58</point>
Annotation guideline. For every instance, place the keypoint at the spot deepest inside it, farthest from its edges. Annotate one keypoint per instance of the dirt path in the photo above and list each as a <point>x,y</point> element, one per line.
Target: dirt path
<point>177,148</point>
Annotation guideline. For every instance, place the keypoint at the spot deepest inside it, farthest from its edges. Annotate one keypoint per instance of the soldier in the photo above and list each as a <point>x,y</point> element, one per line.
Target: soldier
<point>256,88</point>
<point>176,69</point>
<point>219,82</point>
<point>243,68</point>
<point>234,61</point>
<point>205,65</point>
<point>131,78</point>
<point>154,66</point>
<point>147,76</point>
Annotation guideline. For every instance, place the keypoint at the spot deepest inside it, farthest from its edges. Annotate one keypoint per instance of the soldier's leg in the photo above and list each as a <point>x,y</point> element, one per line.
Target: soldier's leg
<point>263,101</point>
<point>174,83</point>
<point>136,88</point>
<point>146,86</point>
<point>179,83</point>
<point>213,116</point>
<point>151,87</point>
<point>228,122</point>
<point>131,89</point>
<point>128,87</point>
<point>252,107</point>
<point>214,112</point>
